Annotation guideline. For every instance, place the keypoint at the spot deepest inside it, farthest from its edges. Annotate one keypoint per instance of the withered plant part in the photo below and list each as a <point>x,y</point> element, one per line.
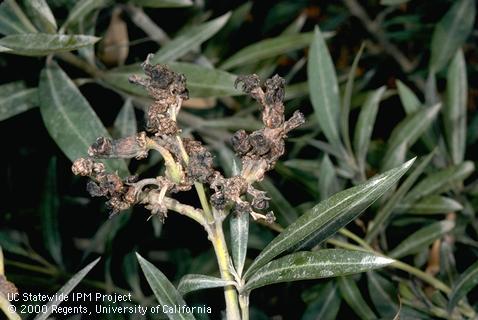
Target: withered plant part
<point>7,287</point>
<point>188,163</point>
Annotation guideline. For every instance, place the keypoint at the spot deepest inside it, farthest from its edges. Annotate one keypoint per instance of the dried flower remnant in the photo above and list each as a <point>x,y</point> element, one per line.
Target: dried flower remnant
<point>188,163</point>
<point>168,89</point>
<point>263,147</point>
<point>7,287</point>
<point>258,150</point>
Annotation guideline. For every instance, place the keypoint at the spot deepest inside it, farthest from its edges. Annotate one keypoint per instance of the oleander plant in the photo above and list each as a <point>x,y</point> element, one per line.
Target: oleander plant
<point>199,159</point>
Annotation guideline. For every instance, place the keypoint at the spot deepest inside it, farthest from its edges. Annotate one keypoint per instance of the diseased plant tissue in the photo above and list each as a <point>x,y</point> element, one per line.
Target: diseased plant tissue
<point>187,161</point>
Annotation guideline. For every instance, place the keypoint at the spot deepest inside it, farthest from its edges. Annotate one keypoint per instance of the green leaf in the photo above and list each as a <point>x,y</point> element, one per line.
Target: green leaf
<point>205,82</point>
<point>365,124</point>
<point>431,205</point>
<point>451,33</point>
<point>66,289</point>
<point>325,263</point>
<point>328,184</point>
<point>440,181</point>
<point>454,111</point>
<point>162,3</point>
<point>326,306</point>
<point>189,40</point>
<point>347,99</point>
<point>409,100</point>
<point>323,88</point>
<point>42,44</point>
<point>193,282</point>
<point>268,48</point>
<point>239,224</point>
<point>125,122</point>
<point>406,133</point>
<point>15,98</point>
<point>380,221</point>
<point>467,281</point>
<point>392,2</point>
<point>329,216</point>
<point>420,239</point>
<point>41,14</point>
<point>351,294</point>
<point>13,20</point>
<point>384,295</point>
<point>285,212</point>
<point>69,118</point>
<point>82,9</point>
<point>49,209</point>
<point>11,242</point>
<point>165,292</point>
<point>201,81</point>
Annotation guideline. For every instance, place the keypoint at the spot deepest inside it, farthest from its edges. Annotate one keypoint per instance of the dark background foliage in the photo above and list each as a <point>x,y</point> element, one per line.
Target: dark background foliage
<point>35,175</point>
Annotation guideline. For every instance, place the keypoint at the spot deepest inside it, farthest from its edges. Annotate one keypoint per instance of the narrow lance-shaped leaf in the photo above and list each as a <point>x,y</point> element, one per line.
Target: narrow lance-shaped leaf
<point>365,124</point>
<point>347,99</point>
<point>163,3</point>
<point>193,282</point>
<point>383,294</point>
<point>329,216</point>
<point>351,294</point>
<point>41,15</point>
<point>80,10</point>
<point>49,212</point>
<point>201,81</point>
<point>409,100</point>
<point>393,2</point>
<point>66,289</point>
<point>467,281</point>
<point>406,134</point>
<point>268,48</point>
<point>325,263</point>
<point>381,219</point>
<point>239,224</point>
<point>11,242</point>
<point>163,289</point>
<point>189,40</point>
<point>328,184</point>
<point>125,122</point>
<point>421,239</point>
<point>440,181</point>
<point>13,20</point>
<point>454,111</point>
<point>69,118</point>
<point>8,309</point>
<point>430,205</point>
<point>285,212</point>
<point>451,33</point>
<point>42,44</point>
<point>15,98</point>
<point>326,306</point>
<point>323,87</point>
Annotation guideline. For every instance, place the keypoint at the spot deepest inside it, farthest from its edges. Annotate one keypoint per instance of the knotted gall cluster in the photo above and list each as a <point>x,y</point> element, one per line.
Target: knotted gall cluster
<point>168,89</point>
<point>187,162</point>
<point>121,193</point>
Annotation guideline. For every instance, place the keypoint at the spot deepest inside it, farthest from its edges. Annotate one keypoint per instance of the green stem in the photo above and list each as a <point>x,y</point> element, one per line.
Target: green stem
<point>197,185</point>
<point>79,63</point>
<point>204,202</point>
<point>244,304</point>
<point>354,237</point>
<point>398,265</point>
<point>5,307</point>
<point>216,236</point>
<point>185,209</point>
